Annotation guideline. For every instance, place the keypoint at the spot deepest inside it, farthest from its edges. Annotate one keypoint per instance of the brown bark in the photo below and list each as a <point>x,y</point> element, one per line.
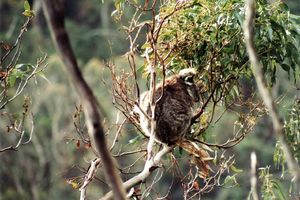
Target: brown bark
<point>55,17</point>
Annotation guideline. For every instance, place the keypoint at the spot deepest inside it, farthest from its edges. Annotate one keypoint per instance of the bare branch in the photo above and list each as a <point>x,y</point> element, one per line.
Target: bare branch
<point>117,134</point>
<point>88,177</point>
<point>257,69</point>
<point>150,165</point>
<point>19,129</point>
<point>18,41</point>
<point>253,180</point>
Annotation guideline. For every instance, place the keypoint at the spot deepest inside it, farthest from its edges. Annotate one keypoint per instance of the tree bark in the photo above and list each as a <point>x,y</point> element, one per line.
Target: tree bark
<point>265,94</point>
<point>54,13</point>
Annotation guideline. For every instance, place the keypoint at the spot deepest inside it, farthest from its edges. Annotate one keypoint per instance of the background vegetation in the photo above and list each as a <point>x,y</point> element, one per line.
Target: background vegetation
<point>55,161</point>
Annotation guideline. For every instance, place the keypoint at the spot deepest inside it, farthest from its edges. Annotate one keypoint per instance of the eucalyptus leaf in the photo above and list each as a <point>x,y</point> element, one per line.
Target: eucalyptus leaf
<point>26,5</point>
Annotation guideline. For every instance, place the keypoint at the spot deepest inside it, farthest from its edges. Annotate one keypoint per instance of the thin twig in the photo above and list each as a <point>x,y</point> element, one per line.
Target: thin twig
<point>117,134</point>
<point>19,38</point>
<point>23,84</point>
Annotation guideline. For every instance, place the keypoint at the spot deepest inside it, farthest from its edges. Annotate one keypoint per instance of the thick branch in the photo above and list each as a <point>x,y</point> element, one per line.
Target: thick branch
<point>150,165</point>
<point>55,18</point>
<point>257,69</point>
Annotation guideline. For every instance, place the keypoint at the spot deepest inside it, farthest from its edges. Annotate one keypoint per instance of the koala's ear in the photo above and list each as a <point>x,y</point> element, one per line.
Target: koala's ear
<point>187,72</point>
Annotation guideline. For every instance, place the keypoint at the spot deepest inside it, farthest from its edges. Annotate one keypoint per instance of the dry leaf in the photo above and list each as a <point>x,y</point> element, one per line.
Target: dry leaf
<point>200,156</point>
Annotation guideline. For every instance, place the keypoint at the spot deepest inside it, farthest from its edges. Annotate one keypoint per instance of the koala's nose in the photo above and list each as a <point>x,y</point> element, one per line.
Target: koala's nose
<point>193,92</point>
<point>196,97</point>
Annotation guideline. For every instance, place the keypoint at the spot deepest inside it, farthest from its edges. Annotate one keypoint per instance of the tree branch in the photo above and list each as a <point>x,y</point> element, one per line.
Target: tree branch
<point>55,18</point>
<point>253,179</point>
<point>89,177</point>
<point>257,69</point>
<point>150,165</point>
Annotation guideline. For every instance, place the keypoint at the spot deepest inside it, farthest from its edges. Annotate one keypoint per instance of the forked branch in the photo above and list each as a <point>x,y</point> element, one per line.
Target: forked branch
<point>150,165</point>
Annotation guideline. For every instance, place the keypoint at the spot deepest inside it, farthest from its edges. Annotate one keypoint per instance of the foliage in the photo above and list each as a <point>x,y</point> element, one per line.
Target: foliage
<point>292,128</point>
<point>292,134</point>
<point>203,34</point>
<point>14,78</point>
<point>208,36</point>
<point>270,187</point>
<point>27,9</point>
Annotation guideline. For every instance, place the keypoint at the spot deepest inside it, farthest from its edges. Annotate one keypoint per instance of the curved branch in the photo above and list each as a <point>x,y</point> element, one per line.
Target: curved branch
<point>55,18</point>
<point>17,42</point>
<point>257,68</point>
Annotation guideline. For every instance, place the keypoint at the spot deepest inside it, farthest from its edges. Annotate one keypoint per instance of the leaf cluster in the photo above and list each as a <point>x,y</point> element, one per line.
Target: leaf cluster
<point>208,35</point>
<point>292,134</point>
<point>270,187</point>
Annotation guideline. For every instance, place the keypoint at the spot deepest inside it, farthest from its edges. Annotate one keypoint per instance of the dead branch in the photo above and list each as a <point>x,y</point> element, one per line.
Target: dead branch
<point>247,123</point>
<point>19,129</point>
<point>55,18</point>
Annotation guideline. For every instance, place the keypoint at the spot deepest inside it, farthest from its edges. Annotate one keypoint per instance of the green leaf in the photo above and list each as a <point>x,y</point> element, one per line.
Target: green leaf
<point>278,28</point>
<point>270,34</point>
<point>20,66</point>
<point>146,45</point>
<point>285,67</point>
<point>12,78</point>
<point>235,169</point>
<point>11,81</point>
<point>278,189</point>
<point>26,5</point>
<point>42,75</point>
<point>135,140</point>
<point>238,17</point>
<point>141,69</point>
<point>230,181</point>
<point>119,5</point>
<point>291,49</point>
<point>28,13</point>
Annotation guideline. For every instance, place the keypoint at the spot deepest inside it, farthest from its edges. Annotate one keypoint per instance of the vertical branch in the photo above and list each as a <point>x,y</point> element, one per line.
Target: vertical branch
<point>152,99</point>
<point>55,18</point>
<point>253,180</point>
<point>257,69</point>
<point>152,107</point>
<point>89,177</point>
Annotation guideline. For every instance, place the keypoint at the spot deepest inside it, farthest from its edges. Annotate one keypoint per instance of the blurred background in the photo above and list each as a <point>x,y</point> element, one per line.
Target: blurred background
<point>43,168</point>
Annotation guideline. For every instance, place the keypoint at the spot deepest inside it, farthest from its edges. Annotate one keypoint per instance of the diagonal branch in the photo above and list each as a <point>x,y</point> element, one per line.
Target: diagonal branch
<point>257,68</point>
<point>150,165</point>
<point>55,18</point>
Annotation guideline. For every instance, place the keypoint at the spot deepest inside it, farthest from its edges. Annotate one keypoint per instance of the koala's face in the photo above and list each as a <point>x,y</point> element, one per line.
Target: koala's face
<point>187,75</point>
